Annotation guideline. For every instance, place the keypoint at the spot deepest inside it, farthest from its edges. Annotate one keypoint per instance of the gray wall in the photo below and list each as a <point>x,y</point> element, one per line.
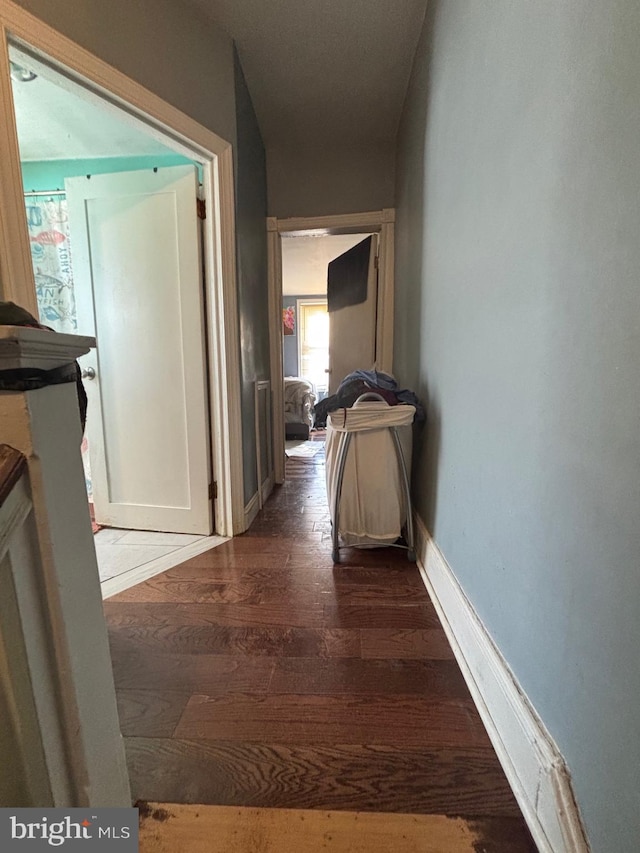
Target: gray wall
<point>308,182</point>
<point>518,306</point>
<point>251,235</point>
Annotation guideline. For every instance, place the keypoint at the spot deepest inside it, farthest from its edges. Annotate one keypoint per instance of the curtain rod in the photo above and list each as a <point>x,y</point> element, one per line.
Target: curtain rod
<point>45,192</point>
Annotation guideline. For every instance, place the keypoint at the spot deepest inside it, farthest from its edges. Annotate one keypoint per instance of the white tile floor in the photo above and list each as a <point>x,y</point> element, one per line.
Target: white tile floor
<point>297,448</point>
<point>127,557</point>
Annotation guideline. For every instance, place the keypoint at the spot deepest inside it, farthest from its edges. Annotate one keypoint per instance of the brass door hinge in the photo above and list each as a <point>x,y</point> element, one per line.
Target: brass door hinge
<point>201,205</point>
<point>213,491</point>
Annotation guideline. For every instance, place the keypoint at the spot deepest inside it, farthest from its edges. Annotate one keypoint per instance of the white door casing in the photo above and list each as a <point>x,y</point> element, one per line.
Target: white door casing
<point>139,291</point>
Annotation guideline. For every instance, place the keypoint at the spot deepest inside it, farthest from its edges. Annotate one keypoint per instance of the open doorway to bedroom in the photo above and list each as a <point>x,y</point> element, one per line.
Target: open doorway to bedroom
<point>306,329</point>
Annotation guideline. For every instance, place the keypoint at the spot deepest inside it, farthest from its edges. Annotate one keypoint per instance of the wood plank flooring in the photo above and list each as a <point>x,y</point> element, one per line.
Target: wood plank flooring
<point>258,675</point>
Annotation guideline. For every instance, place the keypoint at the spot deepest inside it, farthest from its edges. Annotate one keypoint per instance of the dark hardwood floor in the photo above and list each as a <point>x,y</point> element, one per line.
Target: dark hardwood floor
<point>258,674</point>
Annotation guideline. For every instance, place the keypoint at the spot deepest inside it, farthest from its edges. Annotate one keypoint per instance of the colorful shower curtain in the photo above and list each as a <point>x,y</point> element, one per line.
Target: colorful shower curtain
<point>51,256</point>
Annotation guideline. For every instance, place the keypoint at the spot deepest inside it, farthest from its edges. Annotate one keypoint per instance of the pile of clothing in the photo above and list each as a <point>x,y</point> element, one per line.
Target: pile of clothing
<point>360,382</point>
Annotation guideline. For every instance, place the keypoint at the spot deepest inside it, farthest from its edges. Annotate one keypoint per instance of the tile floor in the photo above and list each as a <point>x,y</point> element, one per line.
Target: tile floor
<point>127,557</point>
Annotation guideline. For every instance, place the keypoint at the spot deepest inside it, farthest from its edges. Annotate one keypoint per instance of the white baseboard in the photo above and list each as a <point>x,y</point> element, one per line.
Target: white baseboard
<point>252,509</point>
<point>536,770</point>
<point>267,488</point>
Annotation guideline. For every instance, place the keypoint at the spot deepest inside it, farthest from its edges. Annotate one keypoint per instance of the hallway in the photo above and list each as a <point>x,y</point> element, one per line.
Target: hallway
<point>258,674</point>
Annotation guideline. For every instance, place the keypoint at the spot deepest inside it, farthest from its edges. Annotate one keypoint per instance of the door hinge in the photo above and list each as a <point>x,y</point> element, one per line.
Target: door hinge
<point>376,262</point>
<point>202,208</point>
<point>213,491</point>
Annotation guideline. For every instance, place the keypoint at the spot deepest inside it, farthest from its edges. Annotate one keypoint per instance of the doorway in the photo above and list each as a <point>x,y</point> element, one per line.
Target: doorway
<point>300,251</point>
<point>306,350</point>
<point>143,110</point>
<point>139,553</point>
<point>115,247</point>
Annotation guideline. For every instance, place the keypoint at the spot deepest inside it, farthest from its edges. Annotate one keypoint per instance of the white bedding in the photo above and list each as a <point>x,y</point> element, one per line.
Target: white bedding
<point>299,401</point>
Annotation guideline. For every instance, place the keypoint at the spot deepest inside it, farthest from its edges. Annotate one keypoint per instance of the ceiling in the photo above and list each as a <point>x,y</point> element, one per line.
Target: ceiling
<point>61,121</point>
<point>323,71</point>
<point>305,261</point>
<point>320,73</point>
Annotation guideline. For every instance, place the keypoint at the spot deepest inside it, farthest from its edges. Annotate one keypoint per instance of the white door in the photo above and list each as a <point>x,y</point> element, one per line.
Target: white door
<point>352,294</point>
<point>135,250</point>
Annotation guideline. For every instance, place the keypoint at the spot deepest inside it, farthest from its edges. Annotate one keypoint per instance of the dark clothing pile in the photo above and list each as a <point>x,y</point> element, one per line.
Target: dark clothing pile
<point>360,382</point>
<point>24,379</point>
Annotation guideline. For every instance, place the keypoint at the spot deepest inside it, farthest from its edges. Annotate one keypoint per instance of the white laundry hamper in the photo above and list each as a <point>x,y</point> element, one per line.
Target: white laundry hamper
<point>368,459</point>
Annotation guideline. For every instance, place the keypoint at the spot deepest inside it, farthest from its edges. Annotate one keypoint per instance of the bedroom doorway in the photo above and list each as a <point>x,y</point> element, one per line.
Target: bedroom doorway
<point>306,326</point>
<point>298,258</point>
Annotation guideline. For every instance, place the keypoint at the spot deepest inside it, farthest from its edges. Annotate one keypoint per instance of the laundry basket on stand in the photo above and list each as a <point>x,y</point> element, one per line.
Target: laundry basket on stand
<point>368,458</point>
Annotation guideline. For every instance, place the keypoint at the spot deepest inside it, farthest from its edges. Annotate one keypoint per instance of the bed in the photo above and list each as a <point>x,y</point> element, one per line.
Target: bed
<point>299,399</point>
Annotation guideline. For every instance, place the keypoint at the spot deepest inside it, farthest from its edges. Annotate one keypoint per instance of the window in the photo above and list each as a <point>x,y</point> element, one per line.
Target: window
<point>313,337</point>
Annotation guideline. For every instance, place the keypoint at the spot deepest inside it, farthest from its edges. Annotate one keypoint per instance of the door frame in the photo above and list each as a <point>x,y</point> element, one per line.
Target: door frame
<point>144,109</point>
<point>381,222</point>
